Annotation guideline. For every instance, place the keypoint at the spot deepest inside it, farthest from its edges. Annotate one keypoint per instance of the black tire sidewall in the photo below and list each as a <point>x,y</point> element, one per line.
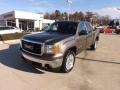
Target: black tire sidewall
<point>94,46</point>
<point>63,68</point>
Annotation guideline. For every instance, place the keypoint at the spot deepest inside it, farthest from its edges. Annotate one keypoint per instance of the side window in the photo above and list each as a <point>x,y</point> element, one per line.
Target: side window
<point>2,28</point>
<point>82,26</point>
<point>54,27</point>
<point>89,27</point>
<point>6,28</point>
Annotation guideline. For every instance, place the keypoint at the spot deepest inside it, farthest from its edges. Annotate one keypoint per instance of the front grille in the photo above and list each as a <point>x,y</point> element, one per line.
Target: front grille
<point>31,47</point>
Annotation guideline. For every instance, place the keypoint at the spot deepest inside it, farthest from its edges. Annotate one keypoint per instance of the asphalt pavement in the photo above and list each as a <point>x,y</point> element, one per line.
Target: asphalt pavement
<point>94,70</point>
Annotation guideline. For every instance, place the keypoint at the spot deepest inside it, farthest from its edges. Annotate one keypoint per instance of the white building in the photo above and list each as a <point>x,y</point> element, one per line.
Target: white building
<point>24,20</point>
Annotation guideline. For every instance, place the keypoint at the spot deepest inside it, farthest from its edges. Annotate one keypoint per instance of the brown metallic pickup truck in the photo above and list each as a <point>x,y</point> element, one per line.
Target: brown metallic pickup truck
<point>57,46</point>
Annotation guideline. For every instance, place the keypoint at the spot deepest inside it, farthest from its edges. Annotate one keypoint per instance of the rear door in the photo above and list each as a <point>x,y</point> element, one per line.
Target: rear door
<point>81,39</point>
<point>90,34</point>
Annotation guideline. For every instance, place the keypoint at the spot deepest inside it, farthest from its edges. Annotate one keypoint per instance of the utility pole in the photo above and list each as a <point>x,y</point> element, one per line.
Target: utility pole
<point>69,8</point>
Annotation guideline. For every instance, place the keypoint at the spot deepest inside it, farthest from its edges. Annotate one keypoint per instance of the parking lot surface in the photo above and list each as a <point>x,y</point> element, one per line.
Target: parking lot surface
<point>94,70</point>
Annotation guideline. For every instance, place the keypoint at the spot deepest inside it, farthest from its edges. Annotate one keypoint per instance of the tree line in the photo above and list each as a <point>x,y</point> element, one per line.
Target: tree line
<point>94,18</point>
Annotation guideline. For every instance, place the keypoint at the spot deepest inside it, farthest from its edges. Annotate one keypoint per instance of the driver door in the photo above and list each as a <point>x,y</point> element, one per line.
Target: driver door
<point>81,39</point>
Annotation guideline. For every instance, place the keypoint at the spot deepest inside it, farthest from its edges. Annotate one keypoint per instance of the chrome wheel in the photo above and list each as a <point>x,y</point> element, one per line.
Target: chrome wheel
<point>94,46</point>
<point>96,43</point>
<point>70,61</point>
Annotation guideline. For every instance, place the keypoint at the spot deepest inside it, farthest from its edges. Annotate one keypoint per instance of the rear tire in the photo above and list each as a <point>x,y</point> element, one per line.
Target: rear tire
<point>68,61</point>
<point>94,46</point>
<point>117,31</point>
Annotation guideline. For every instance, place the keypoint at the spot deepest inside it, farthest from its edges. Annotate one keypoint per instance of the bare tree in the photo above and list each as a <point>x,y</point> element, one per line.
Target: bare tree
<point>94,18</point>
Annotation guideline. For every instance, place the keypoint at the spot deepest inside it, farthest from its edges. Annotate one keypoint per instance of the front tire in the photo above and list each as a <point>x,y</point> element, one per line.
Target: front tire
<point>68,61</point>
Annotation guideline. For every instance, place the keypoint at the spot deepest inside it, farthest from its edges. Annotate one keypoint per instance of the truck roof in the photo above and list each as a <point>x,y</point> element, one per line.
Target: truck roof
<point>72,21</point>
<point>69,21</point>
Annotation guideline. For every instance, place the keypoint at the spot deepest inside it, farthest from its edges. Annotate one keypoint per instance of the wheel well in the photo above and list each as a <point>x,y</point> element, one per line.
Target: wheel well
<point>73,49</point>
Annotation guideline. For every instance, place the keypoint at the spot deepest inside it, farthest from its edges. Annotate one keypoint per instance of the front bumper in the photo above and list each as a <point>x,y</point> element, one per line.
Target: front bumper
<point>51,61</point>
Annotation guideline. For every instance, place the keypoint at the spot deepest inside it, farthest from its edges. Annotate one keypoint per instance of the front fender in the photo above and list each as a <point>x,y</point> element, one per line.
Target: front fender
<point>67,44</point>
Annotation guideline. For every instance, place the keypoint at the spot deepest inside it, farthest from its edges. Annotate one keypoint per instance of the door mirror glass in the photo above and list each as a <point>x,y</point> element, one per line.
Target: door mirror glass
<point>83,32</point>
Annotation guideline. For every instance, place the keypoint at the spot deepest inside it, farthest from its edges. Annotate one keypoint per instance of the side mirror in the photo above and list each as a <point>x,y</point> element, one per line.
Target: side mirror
<point>83,32</point>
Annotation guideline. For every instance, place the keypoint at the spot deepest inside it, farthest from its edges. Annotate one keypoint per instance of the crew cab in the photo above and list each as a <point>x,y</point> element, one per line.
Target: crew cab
<point>59,43</point>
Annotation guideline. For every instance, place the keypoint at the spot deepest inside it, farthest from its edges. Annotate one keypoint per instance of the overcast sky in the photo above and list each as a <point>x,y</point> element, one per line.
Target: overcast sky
<point>51,5</point>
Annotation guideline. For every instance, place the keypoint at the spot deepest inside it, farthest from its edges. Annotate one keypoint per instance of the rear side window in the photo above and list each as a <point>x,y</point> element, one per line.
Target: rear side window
<point>89,27</point>
<point>82,26</point>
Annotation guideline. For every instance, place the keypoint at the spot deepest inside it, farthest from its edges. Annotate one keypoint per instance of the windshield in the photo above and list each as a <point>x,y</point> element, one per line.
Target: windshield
<point>63,27</point>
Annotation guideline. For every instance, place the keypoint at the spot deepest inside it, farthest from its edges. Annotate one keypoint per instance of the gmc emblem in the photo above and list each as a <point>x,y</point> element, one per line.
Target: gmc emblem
<point>29,47</point>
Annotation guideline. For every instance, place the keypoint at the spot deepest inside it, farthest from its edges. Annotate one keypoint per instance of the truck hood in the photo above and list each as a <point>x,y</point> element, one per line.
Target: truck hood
<point>46,37</point>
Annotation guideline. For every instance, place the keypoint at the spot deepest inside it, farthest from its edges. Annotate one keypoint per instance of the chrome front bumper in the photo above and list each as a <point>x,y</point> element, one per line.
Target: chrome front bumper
<point>56,63</point>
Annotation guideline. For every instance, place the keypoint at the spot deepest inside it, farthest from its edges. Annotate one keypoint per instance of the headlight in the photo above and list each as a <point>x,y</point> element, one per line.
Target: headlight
<point>49,49</point>
<point>52,49</point>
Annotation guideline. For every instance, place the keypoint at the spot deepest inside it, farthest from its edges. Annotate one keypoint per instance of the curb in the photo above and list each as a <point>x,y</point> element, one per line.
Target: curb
<point>10,41</point>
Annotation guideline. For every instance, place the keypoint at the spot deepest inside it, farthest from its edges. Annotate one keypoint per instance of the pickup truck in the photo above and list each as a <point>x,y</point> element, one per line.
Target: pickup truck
<point>57,46</point>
